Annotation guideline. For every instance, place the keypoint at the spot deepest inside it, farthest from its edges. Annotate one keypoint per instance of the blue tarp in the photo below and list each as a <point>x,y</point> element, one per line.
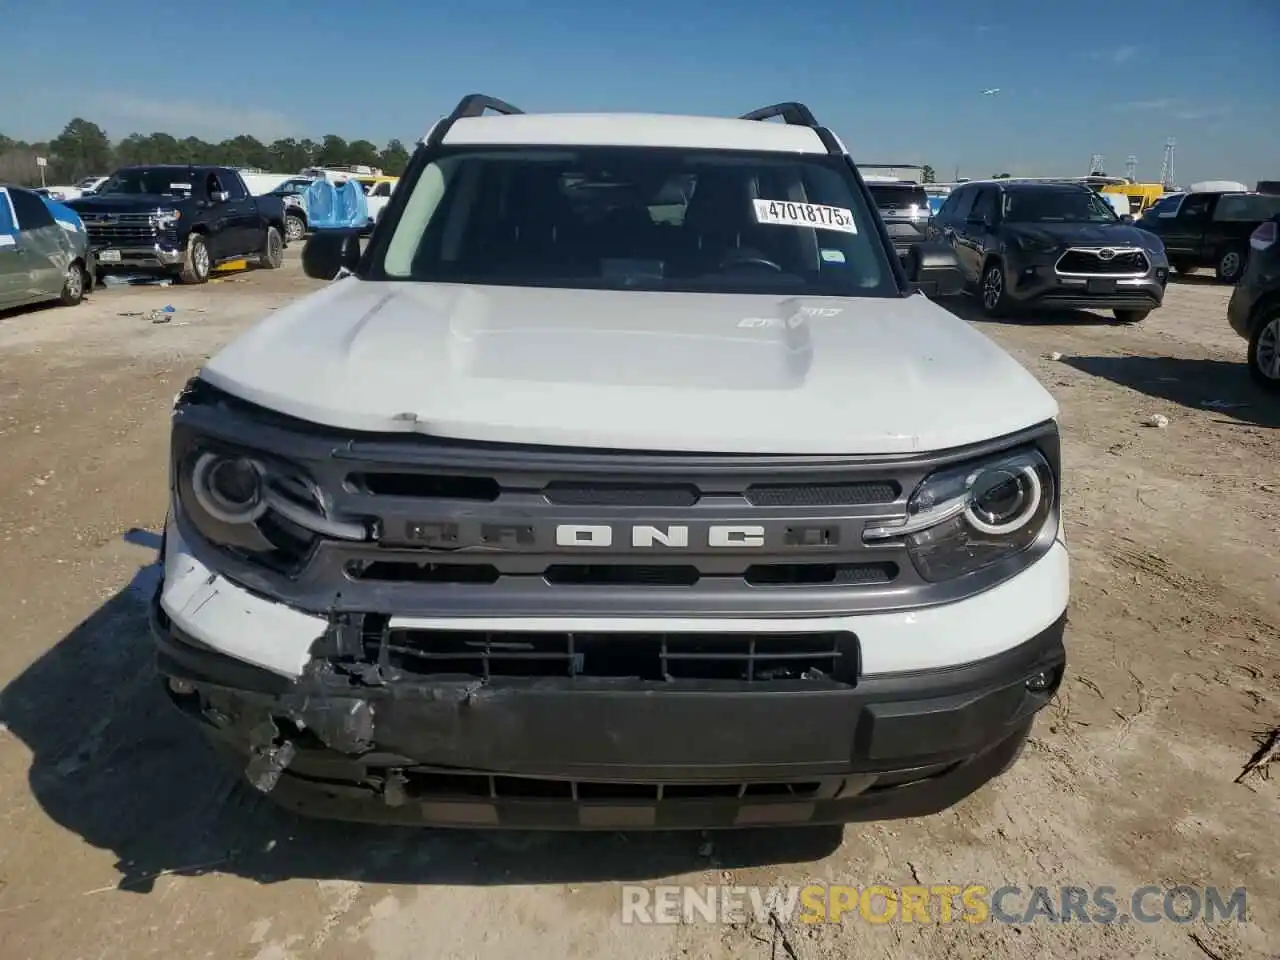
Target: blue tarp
<point>336,207</point>
<point>8,226</point>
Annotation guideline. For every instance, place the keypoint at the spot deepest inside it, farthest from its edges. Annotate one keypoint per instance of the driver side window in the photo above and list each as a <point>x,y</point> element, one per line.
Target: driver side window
<point>984,205</point>
<point>1194,207</point>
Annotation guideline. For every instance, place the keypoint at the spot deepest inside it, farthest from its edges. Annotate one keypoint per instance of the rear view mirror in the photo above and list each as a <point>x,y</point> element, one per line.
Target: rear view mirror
<point>327,252</point>
<point>934,270</point>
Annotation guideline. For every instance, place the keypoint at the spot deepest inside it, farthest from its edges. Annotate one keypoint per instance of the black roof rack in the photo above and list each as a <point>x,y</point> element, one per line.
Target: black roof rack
<point>796,114</point>
<point>792,113</point>
<point>472,105</point>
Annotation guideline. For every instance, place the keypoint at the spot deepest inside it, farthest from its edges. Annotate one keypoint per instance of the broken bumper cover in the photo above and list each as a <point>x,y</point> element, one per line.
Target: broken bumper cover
<point>547,753</point>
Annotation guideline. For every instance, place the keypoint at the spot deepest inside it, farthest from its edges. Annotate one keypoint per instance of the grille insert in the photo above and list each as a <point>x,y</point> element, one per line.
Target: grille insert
<point>621,494</point>
<point>427,486</point>
<point>1085,261</point>
<point>816,574</point>
<point>750,658</point>
<point>822,495</point>
<point>628,574</point>
<point>605,574</point>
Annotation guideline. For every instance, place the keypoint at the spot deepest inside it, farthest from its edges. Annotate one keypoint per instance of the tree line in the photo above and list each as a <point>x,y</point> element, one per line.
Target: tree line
<point>83,149</point>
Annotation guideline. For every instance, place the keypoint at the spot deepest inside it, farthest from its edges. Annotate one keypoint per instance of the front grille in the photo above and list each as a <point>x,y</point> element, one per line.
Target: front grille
<point>1123,263</point>
<point>126,230</point>
<point>469,529</point>
<point>628,574</point>
<point>654,657</point>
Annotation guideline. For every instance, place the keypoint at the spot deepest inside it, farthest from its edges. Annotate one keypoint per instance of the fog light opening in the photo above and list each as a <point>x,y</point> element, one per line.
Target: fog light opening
<point>181,688</point>
<point>1042,681</point>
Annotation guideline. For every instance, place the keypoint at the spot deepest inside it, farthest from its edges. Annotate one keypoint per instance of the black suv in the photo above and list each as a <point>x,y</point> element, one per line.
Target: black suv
<point>1210,229</point>
<point>1254,310</point>
<point>904,208</point>
<point>1051,246</point>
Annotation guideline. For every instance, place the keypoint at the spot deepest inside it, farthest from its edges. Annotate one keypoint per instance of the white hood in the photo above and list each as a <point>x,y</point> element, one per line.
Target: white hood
<point>633,370</point>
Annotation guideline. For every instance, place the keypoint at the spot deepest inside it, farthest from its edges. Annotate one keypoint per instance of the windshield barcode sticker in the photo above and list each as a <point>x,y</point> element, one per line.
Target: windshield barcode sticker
<point>819,216</point>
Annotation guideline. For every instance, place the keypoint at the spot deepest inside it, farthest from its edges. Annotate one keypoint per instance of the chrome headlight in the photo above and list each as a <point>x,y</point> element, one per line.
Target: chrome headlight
<point>964,518</point>
<point>166,218</point>
<point>255,506</point>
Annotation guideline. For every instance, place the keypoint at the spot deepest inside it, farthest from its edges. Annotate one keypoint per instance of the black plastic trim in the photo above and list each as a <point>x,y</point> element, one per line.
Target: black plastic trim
<point>791,112</point>
<point>472,105</point>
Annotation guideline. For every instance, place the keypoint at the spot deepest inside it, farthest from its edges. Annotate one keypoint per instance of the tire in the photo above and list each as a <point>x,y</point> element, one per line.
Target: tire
<point>1264,351</point>
<point>196,267</point>
<point>295,228</point>
<point>991,290</point>
<point>73,285</point>
<point>1231,264</point>
<point>1131,316</point>
<point>272,257</point>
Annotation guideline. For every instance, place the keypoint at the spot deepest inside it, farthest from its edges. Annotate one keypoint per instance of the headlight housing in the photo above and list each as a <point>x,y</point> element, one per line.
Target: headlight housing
<point>964,518</point>
<point>254,506</point>
<point>1036,244</point>
<point>166,218</point>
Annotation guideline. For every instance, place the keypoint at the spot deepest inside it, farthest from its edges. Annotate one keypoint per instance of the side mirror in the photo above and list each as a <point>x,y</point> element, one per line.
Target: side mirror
<point>934,269</point>
<point>1126,218</point>
<point>220,196</point>
<point>327,252</point>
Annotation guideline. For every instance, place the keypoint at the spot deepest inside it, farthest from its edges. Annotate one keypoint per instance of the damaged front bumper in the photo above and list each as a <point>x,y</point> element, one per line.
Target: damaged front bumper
<point>357,742</point>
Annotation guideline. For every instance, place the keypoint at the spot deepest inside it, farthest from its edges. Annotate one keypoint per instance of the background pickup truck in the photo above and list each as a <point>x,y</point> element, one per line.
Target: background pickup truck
<point>180,221</point>
<point>1209,228</point>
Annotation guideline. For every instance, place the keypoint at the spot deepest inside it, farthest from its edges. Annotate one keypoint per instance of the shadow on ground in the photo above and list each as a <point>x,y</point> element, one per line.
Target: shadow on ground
<point>1214,385</point>
<point>967,308</point>
<point>1196,279</point>
<point>116,764</point>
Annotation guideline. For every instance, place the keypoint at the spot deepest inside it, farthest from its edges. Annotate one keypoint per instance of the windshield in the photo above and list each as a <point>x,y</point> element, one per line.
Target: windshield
<point>1056,206</point>
<point>630,218</point>
<point>162,182</point>
<point>898,196</point>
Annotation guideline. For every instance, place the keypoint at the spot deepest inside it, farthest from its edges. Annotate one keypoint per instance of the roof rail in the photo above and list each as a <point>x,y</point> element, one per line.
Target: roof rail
<point>793,113</point>
<point>472,105</point>
<point>796,114</point>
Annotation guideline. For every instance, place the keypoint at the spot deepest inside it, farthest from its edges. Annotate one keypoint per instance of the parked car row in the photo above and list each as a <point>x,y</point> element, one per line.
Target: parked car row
<point>1031,244</point>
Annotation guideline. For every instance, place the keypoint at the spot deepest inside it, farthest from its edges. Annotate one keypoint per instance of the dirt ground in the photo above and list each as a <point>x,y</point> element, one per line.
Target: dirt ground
<point>123,837</point>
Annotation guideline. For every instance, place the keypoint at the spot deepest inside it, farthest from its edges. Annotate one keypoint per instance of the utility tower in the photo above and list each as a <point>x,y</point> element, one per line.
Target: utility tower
<point>1131,168</point>
<point>1095,164</point>
<point>1166,166</point>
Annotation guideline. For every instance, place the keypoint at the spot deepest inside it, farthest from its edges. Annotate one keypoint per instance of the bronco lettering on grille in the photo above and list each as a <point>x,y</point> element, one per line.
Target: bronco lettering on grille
<point>645,535</point>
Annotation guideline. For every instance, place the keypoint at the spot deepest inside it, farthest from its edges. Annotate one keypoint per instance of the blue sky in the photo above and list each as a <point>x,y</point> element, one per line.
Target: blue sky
<point>898,81</point>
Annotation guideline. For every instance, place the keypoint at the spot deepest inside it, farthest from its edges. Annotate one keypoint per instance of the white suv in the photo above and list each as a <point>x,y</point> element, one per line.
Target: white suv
<point>625,480</point>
